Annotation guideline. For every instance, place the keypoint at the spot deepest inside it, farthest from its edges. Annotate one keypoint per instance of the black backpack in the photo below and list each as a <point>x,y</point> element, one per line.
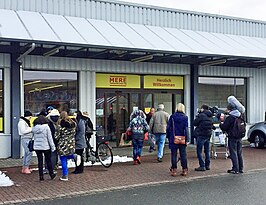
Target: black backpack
<point>88,127</point>
<point>239,128</point>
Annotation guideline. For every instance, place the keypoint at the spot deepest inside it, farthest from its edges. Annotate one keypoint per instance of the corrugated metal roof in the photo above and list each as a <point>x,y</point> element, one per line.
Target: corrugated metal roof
<point>40,27</point>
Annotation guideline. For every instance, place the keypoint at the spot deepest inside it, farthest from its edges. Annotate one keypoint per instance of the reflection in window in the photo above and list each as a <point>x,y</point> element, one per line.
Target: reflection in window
<point>1,102</point>
<point>57,89</point>
<point>215,91</point>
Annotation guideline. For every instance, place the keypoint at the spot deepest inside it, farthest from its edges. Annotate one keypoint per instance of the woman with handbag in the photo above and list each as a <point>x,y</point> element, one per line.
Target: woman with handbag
<point>138,127</point>
<point>177,133</point>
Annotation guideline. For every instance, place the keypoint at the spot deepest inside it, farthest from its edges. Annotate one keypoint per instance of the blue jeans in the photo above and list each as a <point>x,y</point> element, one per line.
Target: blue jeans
<point>160,140</point>
<point>64,163</point>
<point>235,150</point>
<point>183,156</point>
<point>203,142</point>
<point>27,153</point>
<point>137,147</point>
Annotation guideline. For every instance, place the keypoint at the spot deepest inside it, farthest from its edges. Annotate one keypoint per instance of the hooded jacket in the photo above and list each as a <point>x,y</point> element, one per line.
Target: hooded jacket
<point>24,129</point>
<point>204,124</point>
<point>228,124</point>
<point>42,137</point>
<point>180,122</point>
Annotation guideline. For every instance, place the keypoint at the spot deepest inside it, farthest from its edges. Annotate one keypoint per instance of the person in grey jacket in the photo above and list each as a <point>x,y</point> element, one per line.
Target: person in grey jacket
<point>24,131</point>
<point>43,144</point>
<point>80,141</point>
<point>158,124</point>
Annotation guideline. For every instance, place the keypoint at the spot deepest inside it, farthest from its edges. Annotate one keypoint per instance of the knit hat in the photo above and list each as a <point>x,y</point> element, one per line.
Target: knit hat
<point>54,112</point>
<point>27,113</point>
<point>49,108</point>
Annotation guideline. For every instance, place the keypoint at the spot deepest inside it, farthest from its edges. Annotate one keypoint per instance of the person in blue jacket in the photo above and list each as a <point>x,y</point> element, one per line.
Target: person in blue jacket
<point>178,125</point>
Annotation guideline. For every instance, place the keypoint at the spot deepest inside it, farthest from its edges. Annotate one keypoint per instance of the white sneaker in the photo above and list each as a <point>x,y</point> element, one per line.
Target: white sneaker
<point>64,178</point>
<point>78,159</point>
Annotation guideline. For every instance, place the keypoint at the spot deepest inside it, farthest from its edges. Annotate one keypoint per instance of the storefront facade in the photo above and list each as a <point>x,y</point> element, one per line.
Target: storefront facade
<point>110,86</point>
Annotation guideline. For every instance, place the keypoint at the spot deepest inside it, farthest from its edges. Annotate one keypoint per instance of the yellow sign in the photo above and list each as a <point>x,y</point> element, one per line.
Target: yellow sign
<point>1,124</point>
<point>117,81</point>
<point>163,82</point>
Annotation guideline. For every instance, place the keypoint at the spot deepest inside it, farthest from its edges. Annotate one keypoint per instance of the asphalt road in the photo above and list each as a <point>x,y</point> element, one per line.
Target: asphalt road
<point>241,189</point>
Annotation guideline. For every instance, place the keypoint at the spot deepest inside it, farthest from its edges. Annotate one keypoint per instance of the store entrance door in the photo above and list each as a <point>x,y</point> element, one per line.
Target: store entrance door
<point>113,112</point>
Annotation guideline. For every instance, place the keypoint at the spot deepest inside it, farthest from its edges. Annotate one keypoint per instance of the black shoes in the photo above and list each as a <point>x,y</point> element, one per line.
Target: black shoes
<point>53,176</point>
<point>41,178</point>
<point>231,171</point>
<point>77,172</point>
<point>207,168</point>
<point>159,159</point>
<point>201,169</point>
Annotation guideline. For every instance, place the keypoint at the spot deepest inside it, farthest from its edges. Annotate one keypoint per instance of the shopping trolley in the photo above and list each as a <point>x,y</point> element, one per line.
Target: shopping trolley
<point>219,139</point>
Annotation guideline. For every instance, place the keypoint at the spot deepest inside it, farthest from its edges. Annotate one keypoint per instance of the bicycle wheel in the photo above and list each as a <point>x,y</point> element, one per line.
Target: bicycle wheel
<point>105,154</point>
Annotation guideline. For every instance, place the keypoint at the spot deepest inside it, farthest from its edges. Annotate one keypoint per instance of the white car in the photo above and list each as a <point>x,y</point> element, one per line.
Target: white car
<point>257,134</point>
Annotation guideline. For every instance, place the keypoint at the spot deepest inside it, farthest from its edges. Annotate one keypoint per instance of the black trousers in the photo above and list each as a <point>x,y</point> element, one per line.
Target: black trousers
<point>47,155</point>
<point>80,168</point>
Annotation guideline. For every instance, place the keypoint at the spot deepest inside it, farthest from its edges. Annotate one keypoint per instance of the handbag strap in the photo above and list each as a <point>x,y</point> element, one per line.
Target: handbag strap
<point>173,126</point>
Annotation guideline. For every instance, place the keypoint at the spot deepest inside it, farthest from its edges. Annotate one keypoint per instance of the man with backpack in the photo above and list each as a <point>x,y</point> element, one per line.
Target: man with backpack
<point>235,127</point>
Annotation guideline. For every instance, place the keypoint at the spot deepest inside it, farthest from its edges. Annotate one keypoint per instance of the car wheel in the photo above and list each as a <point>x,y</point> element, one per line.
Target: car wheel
<point>259,140</point>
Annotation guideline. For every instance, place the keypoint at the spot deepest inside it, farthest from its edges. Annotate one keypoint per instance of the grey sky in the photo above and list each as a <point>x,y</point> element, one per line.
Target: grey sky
<point>251,9</point>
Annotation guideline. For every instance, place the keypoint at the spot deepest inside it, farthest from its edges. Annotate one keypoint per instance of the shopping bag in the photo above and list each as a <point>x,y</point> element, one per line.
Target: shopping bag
<point>146,136</point>
<point>124,142</point>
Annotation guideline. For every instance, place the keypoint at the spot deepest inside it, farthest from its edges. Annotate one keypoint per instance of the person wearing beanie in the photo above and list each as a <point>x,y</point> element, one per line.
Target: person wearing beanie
<point>25,133</point>
<point>53,117</point>
<point>234,142</point>
<point>203,131</point>
<point>158,124</point>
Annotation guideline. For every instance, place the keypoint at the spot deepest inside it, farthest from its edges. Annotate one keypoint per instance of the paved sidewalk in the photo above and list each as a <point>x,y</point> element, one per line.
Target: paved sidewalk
<point>120,175</point>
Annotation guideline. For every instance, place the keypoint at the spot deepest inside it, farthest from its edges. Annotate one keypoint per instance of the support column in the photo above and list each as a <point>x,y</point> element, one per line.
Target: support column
<point>15,101</point>
<point>194,97</point>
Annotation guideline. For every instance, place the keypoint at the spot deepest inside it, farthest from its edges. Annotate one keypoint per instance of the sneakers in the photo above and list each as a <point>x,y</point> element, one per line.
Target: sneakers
<point>64,178</point>
<point>25,170</point>
<point>201,169</point>
<point>159,159</point>
<point>231,171</point>
<point>77,159</point>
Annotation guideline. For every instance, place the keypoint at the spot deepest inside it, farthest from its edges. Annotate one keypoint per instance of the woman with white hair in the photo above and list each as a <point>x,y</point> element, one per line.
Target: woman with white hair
<point>138,127</point>
<point>178,126</point>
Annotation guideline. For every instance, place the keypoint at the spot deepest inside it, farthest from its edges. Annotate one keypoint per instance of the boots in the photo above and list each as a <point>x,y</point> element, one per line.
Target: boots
<point>173,172</point>
<point>25,170</point>
<point>184,172</point>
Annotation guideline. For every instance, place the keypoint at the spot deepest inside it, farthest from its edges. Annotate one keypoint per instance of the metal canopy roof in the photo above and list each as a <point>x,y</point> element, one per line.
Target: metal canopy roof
<point>164,43</point>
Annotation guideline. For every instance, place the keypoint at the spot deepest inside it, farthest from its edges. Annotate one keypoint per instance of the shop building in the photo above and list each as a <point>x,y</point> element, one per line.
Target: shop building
<point>109,57</point>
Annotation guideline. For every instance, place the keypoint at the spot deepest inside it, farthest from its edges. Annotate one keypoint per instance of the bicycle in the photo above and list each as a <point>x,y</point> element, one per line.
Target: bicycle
<point>102,154</point>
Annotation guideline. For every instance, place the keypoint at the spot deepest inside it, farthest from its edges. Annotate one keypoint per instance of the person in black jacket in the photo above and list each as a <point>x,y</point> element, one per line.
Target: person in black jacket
<point>203,131</point>
<point>234,142</point>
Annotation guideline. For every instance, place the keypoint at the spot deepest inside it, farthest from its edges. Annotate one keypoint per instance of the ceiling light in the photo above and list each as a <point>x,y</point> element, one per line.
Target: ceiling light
<point>45,88</point>
<point>32,82</point>
<point>141,59</point>
<point>214,62</point>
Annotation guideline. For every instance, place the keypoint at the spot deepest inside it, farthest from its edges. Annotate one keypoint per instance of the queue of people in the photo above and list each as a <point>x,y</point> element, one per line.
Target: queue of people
<point>58,135</point>
<point>55,135</point>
